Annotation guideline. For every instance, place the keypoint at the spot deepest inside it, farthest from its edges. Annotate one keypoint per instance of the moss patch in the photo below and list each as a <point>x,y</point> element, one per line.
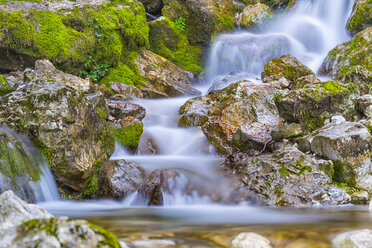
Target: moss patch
<point>109,238</point>
<point>130,135</point>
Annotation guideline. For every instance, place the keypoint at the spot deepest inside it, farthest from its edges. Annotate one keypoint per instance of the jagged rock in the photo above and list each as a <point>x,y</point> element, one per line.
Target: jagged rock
<point>353,239</point>
<point>364,105</point>
<point>119,178</point>
<point>255,16</point>
<point>287,72</point>
<point>349,62</point>
<point>123,92</point>
<point>120,110</point>
<point>287,177</point>
<point>165,76</point>
<point>239,117</point>
<point>64,125</point>
<point>148,146</point>
<point>250,240</point>
<point>349,145</point>
<point>290,131</point>
<point>26,225</point>
<point>361,17</point>
<point>313,105</point>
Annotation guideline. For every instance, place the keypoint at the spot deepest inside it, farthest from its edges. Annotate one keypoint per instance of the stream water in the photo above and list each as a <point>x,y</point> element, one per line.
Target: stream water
<point>308,31</point>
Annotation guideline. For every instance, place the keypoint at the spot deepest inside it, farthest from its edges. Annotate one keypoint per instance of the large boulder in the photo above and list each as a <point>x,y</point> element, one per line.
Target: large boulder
<point>255,16</point>
<point>361,17</point>
<point>165,76</point>
<point>25,225</point>
<point>286,71</point>
<point>239,117</point>
<point>286,177</point>
<point>63,123</point>
<point>348,145</point>
<point>313,105</point>
<point>350,62</point>
<point>80,37</point>
<point>119,178</point>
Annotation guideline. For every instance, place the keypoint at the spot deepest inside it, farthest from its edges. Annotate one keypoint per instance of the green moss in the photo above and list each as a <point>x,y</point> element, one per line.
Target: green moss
<point>124,74</point>
<point>130,135</point>
<point>92,188</point>
<point>343,173</point>
<point>109,240</point>
<point>283,171</point>
<point>47,225</point>
<point>5,87</point>
<point>362,17</point>
<point>171,42</point>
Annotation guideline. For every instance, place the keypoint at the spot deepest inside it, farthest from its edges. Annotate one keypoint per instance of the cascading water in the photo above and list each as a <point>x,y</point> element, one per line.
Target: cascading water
<point>23,170</point>
<point>307,31</point>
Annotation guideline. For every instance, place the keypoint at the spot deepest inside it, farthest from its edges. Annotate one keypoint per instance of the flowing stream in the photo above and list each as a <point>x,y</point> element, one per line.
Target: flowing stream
<point>308,31</point>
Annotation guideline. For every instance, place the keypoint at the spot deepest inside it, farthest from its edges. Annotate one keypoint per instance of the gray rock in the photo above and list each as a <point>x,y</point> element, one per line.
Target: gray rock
<point>364,105</point>
<point>354,239</point>
<point>119,178</point>
<point>250,240</point>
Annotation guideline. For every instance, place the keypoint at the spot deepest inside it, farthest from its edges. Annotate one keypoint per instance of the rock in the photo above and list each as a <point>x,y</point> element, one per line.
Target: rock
<point>278,4</point>
<point>239,117</point>
<point>250,240</point>
<point>349,62</point>
<point>24,225</point>
<point>348,145</point>
<point>313,105</point>
<point>165,76</point>
<point>290,132</point>
<point>120,110</point>
<point>359,197</point>
<point>255,16</point>
<point>361,17</point>
<point>128,132</point>
<point>119,178</point>
<point>364,105</point>
<point>287,177</point>
<point>79,37</point>
<point>125,92</point>
<point>157,183</point>
<point>5,87</point>
<point>64,125</point>
<point>288,71</point>
<point>171,42</point>
<point>148,146</point>
<point>353,239</point>
<point>153,6</point>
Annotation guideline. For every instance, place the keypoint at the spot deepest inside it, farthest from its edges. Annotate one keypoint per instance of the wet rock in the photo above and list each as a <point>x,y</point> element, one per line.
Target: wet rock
<point>123,92</point>
<point>148,146</point>
<point>313,105</point>
<point>361,17</point>
<point>348,145</point>
<point>358,238</point>
<point>250,240</point>
<point>128,132</point>
<point>120,110</point>
<point>64,125</point>
<point>287,72</point>
<point>349,62</point>
<point>364,105</point>
<point>153,6</point>
<point>239,117</point>
<point>255,16</point>
<point>287,177</point>
<point>119,178</point>
<point>157,183</point>
<point>27,225</point>
<point>165,76</point>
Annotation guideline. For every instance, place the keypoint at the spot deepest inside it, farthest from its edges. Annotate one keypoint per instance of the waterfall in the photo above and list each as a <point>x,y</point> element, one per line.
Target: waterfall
<point>23,170</point>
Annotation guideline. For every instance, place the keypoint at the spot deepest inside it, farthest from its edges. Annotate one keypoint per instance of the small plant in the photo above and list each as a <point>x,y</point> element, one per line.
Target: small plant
<point>180,23</point>
<point>94,72</point>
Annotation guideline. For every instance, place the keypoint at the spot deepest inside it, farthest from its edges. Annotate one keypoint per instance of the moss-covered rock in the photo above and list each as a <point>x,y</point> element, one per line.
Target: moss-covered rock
<point>239,117</point>
<point>286,71</point>
<point>351,62</point>
<point>348,145</point>
<point>129,132</point>
<point>84,39</point>
<point>62,122</point>
<point>361,17</point>
<point>286,177</point>
<point>5,87</point>
<point>255,16</point>
<point>313,105</point>
<point>171,42</point>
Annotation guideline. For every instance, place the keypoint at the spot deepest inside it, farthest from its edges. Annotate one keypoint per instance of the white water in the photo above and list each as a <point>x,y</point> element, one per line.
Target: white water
<point>308,31</point>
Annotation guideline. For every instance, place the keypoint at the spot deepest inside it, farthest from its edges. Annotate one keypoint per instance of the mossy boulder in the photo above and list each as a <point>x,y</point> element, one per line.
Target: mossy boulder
<point>153,6</point>
<point>361,17</point>
<point>255,16</point>
<point>314,105</point>
<point>5,87</point>
<point>61,121</point>
<point>84,38</point>
<point>348,145</point>
<point>119,178</point>
<point>351,62</point>
<point>27,225</point>
<point>239,117</point>
<point>286,71</point>
<point>286,177</point>
<point>172,43</point>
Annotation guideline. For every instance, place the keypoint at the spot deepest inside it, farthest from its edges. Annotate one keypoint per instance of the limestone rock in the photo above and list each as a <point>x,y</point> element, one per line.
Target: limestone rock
<point>119,178</point>
<point>250,240</point>
<point>353,239</point>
